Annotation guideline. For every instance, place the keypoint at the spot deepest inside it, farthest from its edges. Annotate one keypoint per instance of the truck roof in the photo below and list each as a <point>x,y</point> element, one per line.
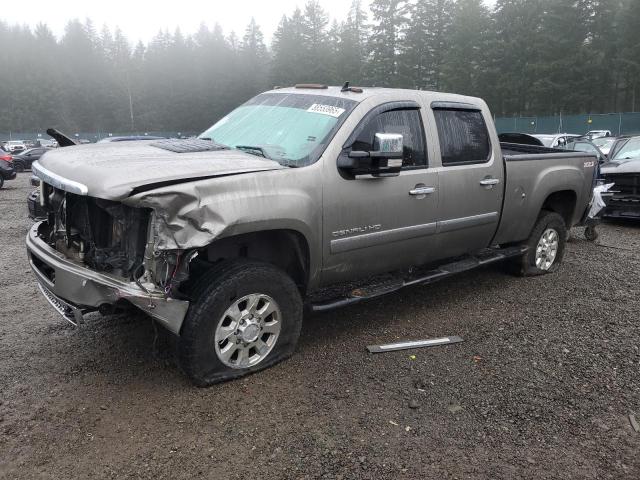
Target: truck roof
<point>368,92</point>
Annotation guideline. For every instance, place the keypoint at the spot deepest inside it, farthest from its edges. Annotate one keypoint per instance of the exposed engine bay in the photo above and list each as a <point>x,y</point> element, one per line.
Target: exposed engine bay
<point>105,235</point>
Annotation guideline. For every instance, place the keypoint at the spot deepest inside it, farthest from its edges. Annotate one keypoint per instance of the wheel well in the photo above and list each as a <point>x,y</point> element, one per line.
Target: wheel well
<point>563,203</point>
<point>286,249</point>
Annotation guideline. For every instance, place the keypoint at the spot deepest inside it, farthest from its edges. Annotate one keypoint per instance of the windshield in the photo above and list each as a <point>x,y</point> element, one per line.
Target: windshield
<point>604,141</point>
<point>630,151</point>
<point>291,128</point>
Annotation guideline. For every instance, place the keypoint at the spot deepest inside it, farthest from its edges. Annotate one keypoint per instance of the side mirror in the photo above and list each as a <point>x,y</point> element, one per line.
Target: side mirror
<point>385,160</point>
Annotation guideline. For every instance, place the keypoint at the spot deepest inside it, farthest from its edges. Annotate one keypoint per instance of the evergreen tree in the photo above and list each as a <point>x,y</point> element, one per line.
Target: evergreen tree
<point>465,64</point>
<point>351,45</point>
<point>426,43</point>
<point>384,41</point>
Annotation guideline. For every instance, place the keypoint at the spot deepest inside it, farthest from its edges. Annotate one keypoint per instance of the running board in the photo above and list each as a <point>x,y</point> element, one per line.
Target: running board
<point>366,292</point>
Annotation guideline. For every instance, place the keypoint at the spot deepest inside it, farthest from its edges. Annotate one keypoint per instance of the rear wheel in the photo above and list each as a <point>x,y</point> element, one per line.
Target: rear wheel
<point>247,316</point>
<point>1,181</point>
<point>546,246</point>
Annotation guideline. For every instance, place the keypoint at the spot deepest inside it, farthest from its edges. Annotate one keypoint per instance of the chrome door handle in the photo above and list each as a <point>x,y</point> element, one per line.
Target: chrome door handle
<point>489,181</point>
<point>421,190</point>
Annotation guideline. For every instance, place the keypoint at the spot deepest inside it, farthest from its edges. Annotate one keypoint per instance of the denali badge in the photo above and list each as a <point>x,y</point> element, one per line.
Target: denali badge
<point>353,230</point>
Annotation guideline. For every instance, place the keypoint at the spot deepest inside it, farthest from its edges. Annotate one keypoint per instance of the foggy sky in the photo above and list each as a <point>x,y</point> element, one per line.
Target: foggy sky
<point>142,19</point>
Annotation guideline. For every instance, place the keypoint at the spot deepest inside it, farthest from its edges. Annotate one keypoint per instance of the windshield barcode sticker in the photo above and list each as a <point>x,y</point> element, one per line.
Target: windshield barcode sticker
<point>326,110</point>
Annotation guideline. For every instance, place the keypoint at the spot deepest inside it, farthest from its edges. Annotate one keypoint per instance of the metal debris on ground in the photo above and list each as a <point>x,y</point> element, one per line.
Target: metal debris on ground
<point>634,423</point>
<point>391,347</point>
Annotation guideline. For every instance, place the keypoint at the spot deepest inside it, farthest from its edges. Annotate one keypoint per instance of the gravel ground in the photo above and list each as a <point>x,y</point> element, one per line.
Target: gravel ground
<point>542,386</point>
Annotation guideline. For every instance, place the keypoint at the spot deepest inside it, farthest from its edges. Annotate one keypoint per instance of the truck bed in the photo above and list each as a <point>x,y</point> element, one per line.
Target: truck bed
<point>528,187</point>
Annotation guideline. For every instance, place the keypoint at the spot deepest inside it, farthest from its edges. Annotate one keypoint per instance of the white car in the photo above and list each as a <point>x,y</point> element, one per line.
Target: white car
<point>555,140</point>
<point>598,134</point>
<point>15,146</point>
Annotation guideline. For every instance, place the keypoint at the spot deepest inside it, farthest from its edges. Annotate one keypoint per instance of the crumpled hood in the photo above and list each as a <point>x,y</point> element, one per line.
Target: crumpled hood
<point>620,166</point>
<point>113,170</point>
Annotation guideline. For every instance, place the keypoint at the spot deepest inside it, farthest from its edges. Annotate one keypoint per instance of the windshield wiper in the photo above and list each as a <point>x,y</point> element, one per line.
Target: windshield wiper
<point>251,149</point>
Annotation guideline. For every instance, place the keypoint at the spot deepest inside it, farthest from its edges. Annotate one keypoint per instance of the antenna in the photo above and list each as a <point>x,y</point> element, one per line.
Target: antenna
<point>345,87</point>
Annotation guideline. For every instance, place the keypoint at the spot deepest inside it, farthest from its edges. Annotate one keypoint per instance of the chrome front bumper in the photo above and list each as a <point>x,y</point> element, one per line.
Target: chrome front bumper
<point>73,288</point>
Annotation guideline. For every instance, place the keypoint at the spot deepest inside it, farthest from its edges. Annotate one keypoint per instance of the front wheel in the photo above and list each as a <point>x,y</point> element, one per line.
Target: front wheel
<point>246,317</point>
<point>19,167</point>
<point>546,245</point>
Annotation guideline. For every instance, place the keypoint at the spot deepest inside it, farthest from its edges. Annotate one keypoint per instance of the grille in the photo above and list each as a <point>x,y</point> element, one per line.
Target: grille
<point>626,184</point>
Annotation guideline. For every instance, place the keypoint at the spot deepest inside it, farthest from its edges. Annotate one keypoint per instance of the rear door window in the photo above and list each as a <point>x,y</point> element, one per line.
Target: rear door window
<point>463,135</point>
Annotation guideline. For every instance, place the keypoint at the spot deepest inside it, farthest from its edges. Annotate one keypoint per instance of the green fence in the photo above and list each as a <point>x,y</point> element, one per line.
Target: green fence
<point>617,123</point>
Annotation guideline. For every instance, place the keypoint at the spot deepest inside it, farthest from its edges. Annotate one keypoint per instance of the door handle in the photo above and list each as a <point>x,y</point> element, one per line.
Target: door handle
<point>489,181</point>
<point>421,190</point>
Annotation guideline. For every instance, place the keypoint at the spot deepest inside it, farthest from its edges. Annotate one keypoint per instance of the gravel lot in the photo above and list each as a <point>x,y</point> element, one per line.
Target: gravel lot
<point>541,388</point>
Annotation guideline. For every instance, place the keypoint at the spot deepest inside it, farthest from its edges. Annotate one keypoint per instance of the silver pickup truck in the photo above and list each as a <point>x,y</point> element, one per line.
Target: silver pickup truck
<point>306,196</point>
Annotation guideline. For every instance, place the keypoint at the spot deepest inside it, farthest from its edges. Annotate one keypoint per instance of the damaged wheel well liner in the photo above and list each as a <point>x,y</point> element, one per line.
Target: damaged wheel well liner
<point>562,203</point>
<point>286,249</point>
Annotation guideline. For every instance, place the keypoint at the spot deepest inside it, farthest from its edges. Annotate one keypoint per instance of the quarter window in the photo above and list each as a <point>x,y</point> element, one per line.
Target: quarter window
<point>463,136</point>
<point>406,122</point>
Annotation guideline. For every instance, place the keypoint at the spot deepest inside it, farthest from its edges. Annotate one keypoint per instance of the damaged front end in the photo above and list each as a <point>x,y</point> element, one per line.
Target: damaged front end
<point>625,201</point>
<point>94,254</point>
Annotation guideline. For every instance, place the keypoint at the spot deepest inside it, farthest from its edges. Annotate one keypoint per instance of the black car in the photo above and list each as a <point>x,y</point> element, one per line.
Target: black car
<point>623,170</point>
<point>23,161</point>
<point>7,170</point>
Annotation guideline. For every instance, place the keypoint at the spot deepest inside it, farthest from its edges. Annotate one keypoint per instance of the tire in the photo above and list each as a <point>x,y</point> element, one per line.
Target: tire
<point>540,262</point>
<point>19,166</point>
<point>590,233</point>
<point>1,181</point>
<point>204,354</point>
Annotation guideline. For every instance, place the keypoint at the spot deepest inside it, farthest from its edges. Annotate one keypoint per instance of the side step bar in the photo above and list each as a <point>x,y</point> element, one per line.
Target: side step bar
<point>485,257</point>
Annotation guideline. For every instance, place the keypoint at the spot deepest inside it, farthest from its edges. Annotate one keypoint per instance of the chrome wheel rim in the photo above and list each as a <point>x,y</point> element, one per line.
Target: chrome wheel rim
<point>248,331</point>
<point>547,249</point>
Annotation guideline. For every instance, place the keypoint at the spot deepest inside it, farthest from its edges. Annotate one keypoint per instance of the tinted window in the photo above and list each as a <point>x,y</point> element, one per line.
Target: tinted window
<point>405,122</point>
<point>463,136</point>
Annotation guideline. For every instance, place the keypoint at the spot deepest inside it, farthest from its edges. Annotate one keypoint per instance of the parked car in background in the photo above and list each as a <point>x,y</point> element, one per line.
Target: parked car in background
<point>604,144</point>
<point>15,146</point>
<point>520,138</point>
<point>130,138</point>
<point>623,169</point>
<point>598,134</point>
<point>555,140</point>
<point>47,143</point>
<point>22,161</point>
<point>315,194</point>
<point>7,170</point>
<point>582,144</point>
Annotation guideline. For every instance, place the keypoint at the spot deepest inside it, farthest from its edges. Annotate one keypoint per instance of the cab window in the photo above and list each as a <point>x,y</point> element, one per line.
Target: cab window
<point>463,135</point>
<point>404,121</point>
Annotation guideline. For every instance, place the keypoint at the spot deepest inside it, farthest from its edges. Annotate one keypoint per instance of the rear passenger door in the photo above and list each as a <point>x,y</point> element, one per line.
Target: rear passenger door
<point>471,179</point>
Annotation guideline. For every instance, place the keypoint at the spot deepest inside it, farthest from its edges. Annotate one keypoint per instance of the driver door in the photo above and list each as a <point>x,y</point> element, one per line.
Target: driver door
<point>378,224</point>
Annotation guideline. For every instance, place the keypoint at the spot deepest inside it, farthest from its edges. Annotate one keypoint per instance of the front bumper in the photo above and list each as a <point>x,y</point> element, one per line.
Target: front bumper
<point>623,206</point>
<point>8,174</point>
<point>72,288</point>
